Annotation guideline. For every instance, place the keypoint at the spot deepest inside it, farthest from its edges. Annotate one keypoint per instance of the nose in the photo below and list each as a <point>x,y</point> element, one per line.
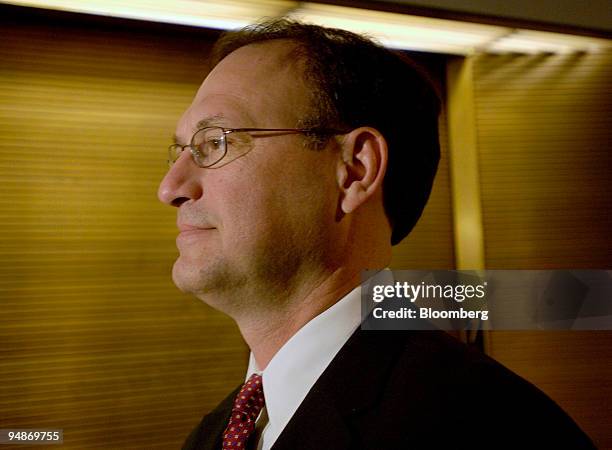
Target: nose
<point>181,182</point>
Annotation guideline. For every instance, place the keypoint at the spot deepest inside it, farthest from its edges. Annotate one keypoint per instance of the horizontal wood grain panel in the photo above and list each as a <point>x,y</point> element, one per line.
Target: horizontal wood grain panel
<point>94,338</point>
<point>544,126</point>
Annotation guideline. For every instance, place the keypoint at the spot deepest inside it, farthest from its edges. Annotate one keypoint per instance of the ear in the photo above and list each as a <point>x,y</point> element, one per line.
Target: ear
<point>362,167</point>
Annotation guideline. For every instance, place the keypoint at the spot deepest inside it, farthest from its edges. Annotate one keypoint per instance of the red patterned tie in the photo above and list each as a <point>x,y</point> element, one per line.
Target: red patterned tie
<point>248,404</point>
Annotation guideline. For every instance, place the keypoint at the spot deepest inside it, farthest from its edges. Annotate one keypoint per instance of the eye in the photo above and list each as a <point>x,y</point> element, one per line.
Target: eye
<point>213,144</point>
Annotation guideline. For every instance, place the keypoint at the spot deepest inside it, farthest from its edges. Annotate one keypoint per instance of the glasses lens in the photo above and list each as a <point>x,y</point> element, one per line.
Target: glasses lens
<point>208,146</point>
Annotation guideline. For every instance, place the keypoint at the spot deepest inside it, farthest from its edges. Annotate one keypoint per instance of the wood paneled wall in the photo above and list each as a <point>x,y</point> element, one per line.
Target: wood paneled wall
<point>94,337</point>
<point>544,132</point>
<point>544,127</point>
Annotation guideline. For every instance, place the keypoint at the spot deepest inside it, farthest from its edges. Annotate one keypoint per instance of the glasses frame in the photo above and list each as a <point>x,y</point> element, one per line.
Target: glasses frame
<point>173,148</point>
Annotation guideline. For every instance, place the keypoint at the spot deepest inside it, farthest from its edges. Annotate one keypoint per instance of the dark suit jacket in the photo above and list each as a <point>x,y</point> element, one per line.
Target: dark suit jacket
<point>413,390</point>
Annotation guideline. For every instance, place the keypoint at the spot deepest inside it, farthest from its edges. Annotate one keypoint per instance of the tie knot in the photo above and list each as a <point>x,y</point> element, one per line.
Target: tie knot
<point>249,402</point>
<point>250,399</point>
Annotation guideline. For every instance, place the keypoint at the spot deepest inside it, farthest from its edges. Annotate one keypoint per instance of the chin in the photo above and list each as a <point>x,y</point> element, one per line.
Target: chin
<point>182,278</point>
<point>210,281</point>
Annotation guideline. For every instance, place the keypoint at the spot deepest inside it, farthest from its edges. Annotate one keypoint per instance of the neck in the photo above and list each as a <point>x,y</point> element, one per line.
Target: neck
<point>277,314</point>
<point>268,329</point>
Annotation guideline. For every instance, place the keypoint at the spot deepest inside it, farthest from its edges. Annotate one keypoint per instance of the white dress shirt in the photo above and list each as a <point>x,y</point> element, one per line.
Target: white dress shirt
<point>299,363</point>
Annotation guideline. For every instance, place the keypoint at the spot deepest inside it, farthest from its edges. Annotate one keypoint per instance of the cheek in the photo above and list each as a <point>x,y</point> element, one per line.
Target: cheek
<point>269,199</point>
<point>243,204</point>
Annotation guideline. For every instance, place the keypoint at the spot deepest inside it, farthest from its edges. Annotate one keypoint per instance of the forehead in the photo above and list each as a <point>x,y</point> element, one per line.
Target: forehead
<point>258,85</point>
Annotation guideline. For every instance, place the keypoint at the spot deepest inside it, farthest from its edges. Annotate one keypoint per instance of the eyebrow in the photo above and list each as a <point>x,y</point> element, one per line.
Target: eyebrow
<point>216,120</point>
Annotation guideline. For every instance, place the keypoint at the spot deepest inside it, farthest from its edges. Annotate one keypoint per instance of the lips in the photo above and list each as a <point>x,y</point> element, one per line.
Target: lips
<point>185,228</point>
<point>193,229</point>
<point>189,234</point>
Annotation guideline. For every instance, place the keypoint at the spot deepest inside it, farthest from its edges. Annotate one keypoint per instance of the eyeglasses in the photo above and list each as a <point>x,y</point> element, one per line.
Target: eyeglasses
<point>210,145</point>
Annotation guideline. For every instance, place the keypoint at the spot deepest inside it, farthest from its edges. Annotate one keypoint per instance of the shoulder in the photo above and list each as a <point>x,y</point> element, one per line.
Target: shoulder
<point>450,392</point>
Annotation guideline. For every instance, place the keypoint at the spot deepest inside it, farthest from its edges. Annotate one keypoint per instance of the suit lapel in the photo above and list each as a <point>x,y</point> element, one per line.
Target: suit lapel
<point>350,385</point>
<point>208,435</point>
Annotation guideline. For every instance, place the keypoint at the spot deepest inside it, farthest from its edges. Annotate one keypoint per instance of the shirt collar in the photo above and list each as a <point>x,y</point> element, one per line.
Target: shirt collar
<point>295,368</point>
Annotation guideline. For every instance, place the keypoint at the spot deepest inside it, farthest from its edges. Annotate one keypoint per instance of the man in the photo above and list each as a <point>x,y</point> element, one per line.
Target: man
<point>306,153</point>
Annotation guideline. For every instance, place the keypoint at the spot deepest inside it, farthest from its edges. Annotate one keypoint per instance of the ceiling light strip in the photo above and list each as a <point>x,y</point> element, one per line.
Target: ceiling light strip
<point>391,29</point>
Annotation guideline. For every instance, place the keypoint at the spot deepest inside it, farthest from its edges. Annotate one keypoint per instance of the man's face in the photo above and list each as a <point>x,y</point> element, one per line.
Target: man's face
<point>267,217</point>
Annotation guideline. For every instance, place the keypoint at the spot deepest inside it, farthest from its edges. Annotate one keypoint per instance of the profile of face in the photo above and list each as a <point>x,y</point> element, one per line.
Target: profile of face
<point>262,220</point>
